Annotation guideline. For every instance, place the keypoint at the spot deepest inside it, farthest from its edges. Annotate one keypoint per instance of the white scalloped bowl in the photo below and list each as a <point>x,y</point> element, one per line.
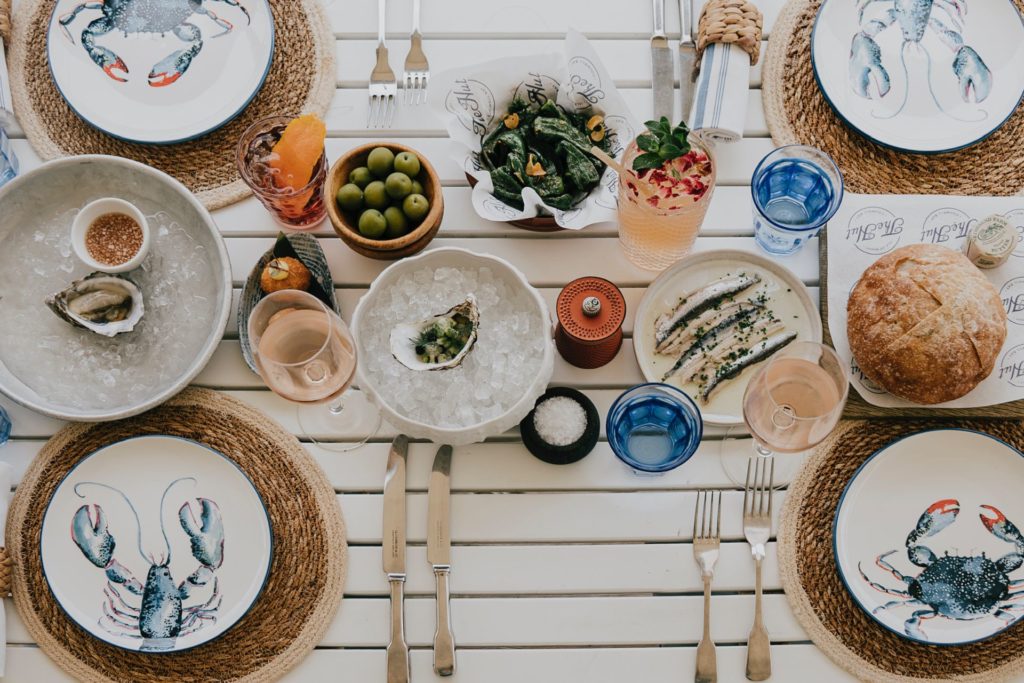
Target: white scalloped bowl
<point>453,257</point>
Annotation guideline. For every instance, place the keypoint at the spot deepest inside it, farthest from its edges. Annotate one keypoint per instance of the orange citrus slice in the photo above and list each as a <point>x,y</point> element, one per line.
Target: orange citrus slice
<point>297,152</point>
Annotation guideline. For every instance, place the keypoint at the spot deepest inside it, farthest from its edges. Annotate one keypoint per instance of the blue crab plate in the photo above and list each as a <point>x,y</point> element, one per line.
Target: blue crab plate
<point>169,546</point>
<point>924,76</point>
<point>159,71</point>
<point>927,540</point>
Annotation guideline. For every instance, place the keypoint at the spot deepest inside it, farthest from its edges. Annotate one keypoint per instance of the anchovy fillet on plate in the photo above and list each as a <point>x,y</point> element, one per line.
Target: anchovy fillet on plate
<point>731,343</point>
<point>755,354</point>
<point>705,338</point>
<point>684,337</point>
<point>695,303</point>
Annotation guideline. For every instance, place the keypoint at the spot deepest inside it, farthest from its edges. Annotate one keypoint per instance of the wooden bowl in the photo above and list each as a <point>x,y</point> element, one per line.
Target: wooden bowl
<point>400,247</point>
<point>535,224</point>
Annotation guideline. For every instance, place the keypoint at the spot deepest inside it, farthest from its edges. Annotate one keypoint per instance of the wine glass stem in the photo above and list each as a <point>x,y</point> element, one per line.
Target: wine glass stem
<point>337,406</point>
<point>761,451</point>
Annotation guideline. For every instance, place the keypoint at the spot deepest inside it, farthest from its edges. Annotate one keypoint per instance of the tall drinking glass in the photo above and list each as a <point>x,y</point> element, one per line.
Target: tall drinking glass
<point>654,428</point>
<point>791,405</point>
<point>796,190</point>
<point>656,230</point>
<point>297,209</point>
<point>305,353</point>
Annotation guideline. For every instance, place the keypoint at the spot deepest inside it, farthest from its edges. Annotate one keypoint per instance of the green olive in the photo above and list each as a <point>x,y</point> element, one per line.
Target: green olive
<point>398,224</point>
<point>381,162</point>
<point>372,224</point>
<point>350,198</point>
<point>375,196</point>
<point>360,176</point>
<point>415,207</point>
<point>407,163</point>
<point>398,185</point>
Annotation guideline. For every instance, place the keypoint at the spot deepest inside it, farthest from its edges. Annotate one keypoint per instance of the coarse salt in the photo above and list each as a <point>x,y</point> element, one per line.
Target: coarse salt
<point>560,421</point>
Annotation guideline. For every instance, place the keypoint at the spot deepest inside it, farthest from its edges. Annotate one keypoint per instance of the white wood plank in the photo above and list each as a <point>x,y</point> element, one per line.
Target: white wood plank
<point>793,663</point>
<point>558,517</point>
<point>526,18</point>
<point>564,570</point>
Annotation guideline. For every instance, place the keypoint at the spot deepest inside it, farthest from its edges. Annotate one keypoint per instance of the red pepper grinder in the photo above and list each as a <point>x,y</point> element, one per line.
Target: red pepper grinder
<point>590,312</point>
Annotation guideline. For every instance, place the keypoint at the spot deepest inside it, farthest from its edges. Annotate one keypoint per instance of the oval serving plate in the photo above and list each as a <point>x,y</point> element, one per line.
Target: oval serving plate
<point>160,72</point>
<point>72,374</point>
<point>928,494</point>
<point>950,89</point>
<point>789,300</point>
<point>163,517</point>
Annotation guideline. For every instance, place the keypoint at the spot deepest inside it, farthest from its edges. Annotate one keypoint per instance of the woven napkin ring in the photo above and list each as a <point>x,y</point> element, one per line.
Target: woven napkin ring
<point>5,571</point>
<point>5,20</point>
<point>728,21</point>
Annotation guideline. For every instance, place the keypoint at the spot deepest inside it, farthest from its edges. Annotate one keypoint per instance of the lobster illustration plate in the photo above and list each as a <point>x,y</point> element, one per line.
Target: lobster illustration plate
<point>159,71</point>
<point>169,544</point>
<point>924,76</point>
<point>926,537</point>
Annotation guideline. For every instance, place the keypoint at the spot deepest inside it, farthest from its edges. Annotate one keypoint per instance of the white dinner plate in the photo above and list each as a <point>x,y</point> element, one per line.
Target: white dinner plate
<point>789,300</point>
<point>927,536</point>
<point>933,82</point>
<point>159,71</point>
<point>169,544</point>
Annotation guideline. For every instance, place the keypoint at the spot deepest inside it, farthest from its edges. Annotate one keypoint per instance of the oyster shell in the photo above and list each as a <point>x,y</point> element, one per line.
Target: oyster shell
<point>439,342</point>
<point>101,303</point>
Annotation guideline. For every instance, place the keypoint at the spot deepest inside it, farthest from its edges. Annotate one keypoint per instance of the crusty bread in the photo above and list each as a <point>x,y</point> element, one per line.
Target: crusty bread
<point>925,324</point>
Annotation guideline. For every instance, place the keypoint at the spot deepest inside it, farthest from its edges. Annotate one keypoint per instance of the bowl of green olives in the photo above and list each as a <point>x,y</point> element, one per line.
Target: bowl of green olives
<point>384,200</point>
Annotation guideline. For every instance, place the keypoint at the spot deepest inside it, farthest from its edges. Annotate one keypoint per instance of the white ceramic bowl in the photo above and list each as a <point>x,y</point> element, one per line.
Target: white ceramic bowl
<point>71,182</point>
<point>93,210</point>
<point>454,258</point>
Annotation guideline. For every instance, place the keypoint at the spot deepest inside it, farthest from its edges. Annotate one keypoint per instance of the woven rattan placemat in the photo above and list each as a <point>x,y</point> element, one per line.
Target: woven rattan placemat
<point>301,79</point>
<point>815,592</point>
<point>797,112</point>
<point>307,572</point>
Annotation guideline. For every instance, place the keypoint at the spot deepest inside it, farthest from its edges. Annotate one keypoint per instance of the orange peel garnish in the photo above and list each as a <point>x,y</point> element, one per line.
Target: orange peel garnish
<point>534,168</point>
<point>511,121</point>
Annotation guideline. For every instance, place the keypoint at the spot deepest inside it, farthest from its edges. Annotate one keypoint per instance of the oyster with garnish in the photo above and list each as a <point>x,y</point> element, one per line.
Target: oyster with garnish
<point>439,342</point>
<point>105,304</point>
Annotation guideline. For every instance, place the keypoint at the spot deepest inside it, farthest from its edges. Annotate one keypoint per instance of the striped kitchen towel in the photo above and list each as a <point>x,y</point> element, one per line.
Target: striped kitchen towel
<point>720,101</point>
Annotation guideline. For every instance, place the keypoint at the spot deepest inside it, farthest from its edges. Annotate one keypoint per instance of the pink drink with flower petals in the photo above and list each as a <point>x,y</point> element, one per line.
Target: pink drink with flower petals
<point>661,209</point>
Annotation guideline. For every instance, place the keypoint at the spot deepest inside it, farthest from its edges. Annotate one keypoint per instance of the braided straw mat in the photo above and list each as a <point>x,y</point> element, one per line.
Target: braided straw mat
<point>797,112</point>
<point>307,572</point>
<point>815,592</point>
<point>301,79</point>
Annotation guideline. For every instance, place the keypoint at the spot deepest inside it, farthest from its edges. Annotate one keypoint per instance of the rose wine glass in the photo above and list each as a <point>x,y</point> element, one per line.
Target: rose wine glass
<point>790,406</point>
<point>305,353</point>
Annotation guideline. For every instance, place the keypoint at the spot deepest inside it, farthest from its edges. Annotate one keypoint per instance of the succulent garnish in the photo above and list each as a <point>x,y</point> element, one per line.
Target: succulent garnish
<point>660,144</point>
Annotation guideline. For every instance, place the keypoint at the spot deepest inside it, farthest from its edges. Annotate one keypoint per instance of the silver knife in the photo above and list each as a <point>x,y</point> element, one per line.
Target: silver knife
<point>393,547</point>
<point>687,57</point>
<point>663,73</point>
<point>439,550</point>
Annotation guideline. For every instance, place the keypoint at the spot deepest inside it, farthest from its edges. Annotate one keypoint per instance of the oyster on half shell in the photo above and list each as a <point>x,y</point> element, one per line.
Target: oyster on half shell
<point>105,304</point>
<point>439,342</point>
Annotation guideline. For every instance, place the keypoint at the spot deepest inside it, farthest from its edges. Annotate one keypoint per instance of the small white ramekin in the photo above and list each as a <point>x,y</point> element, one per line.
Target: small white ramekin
<point>93,210</point>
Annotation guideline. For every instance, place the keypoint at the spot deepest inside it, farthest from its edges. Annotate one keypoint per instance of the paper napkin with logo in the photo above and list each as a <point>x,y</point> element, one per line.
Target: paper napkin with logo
<point>474,99</point>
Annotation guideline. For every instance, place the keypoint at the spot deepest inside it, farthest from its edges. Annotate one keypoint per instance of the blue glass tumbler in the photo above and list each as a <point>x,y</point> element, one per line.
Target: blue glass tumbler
<point>654,428</point>
<point>796,189</point>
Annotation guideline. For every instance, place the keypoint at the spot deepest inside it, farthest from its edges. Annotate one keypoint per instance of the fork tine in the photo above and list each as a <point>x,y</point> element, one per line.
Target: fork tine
<point>771,486</point>
<point>696,513</point>
<point>369,113</point>
<point>707,513</point>
<point>746,488</point>
<point>392,105</point>
<point>718,525</point>
<point>762,502</point>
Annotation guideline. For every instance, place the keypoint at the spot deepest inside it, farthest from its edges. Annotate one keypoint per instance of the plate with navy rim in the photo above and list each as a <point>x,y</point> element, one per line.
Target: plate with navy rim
<point>159,71</point>
<point>927,538</point>
<point>170,544</point>
<point>950,83</point>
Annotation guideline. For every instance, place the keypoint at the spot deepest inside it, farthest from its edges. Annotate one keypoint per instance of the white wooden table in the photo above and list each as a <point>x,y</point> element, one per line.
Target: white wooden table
<point>560,574</point>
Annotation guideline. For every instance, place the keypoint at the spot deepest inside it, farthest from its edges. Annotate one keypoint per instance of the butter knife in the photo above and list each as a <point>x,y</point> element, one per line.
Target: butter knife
<point>439,549</point>
<point>687,57</point>
<point>393,548</point>
<point>662,70</point>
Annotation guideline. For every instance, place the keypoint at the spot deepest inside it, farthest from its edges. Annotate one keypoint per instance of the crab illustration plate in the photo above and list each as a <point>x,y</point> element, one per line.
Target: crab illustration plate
<point>159,71</point>
<point>926,537</point>
<point>169,544</point>
<point>923,76</point>
<point>780,305</point>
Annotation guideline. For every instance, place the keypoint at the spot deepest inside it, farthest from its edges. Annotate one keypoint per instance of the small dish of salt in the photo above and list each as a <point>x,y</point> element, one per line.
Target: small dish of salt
<point>563,426</point>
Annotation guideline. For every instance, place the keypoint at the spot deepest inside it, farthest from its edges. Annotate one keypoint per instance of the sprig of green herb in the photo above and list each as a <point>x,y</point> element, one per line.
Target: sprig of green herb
<point>660,144</point>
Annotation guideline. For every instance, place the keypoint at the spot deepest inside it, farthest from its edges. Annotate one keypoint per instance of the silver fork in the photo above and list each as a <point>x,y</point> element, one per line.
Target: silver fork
<point>383,85</point>
<point>757,527</point>
<point>417,70</point>
<point>707,534</point>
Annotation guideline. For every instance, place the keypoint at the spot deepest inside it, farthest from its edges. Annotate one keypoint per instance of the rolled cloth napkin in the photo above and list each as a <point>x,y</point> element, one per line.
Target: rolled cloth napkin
<point>5,568</point>
<point>728,43</point>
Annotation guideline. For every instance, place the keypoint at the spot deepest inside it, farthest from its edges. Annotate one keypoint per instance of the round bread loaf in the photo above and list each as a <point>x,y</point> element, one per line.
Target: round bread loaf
<point>925,324</point>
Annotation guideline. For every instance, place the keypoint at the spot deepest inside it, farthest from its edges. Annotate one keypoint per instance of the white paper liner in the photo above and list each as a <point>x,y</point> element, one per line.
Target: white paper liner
<point>472,100</point>
<point>866,227</point>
